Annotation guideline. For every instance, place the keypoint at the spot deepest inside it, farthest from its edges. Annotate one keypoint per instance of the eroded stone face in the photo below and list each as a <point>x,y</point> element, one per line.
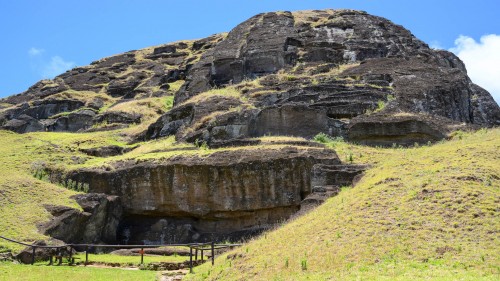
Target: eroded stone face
<point>390,73</point>
<point>97,223</point>
<point>269,42</point>
<point>230,193</point>
<point>124,77</point>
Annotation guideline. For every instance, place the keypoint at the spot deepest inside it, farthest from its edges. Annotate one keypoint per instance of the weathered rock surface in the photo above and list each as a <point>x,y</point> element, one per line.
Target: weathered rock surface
<point>97,223</point>
<point>394,73</point>
<point>389,73</point>
<point>57,105</point>
<point>106,151</point>
<point>224,195</point>
<point>269,42</point>
<point>326,181</point>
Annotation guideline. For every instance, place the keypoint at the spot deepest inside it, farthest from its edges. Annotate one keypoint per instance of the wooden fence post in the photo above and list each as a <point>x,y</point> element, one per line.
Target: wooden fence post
<point>213,253</point>
<point>33,256</point>
<point>71,255</point>
<point>142,255</point>
<point>86,255</point>
<point>190,259</point>
<point>60,255</point>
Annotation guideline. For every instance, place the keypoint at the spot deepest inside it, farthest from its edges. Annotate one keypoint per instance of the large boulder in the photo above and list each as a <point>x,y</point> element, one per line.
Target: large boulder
<point>97,223</point>
<point>269,42</point>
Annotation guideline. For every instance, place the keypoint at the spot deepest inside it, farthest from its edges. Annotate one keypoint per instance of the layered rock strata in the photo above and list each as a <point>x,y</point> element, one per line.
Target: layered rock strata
<point>337,72</point>
<point>226,194</point>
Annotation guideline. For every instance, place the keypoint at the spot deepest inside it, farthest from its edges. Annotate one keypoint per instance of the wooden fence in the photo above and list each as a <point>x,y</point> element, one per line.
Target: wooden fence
<point>193,249</point>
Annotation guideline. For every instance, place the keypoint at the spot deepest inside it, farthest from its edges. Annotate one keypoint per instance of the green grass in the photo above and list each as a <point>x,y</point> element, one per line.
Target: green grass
<point>23,196</point>
<point>9,271</point>
<point>420,213</point>
<point>109,258</point>
<point>66,113</point>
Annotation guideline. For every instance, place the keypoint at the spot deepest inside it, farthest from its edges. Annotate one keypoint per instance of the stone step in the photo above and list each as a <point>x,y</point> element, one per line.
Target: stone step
<point>326,181</point>
<point>335,175</point>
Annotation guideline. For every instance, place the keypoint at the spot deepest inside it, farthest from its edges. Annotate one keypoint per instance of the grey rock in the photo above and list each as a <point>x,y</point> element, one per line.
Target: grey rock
<point>73,122</point>
<point>97,223</point>
<point>213,197</point>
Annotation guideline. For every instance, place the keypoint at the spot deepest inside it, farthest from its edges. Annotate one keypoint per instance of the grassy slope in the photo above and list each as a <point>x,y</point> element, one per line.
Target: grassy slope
<point>420,212</point>
<point>22,196</point>
<point>428,212</point>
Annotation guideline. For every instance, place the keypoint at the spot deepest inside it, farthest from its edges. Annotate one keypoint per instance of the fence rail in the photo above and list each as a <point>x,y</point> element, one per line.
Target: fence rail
<point>208,246</point>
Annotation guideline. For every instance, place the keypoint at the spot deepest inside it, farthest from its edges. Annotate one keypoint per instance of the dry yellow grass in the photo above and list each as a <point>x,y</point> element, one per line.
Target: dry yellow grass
<point>222,92</point>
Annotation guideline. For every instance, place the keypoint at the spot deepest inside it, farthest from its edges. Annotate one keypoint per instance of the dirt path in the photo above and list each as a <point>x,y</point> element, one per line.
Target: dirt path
<point>174,275</point>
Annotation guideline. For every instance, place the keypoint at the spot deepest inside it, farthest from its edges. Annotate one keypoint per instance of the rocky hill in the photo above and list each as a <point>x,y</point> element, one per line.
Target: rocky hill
<point>337,72</point>
<point>186,139</point>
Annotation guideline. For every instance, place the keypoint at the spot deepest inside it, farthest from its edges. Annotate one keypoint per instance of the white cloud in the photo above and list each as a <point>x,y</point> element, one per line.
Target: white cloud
<point>56,66</point>
<point>47,68</point>
<point>35,51</point>
<point>482,60</point>
<point>436,45</point>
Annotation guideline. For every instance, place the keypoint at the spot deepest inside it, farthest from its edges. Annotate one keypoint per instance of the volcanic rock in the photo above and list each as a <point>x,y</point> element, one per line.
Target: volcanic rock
<point>96,224</point>
<point>225,194</point>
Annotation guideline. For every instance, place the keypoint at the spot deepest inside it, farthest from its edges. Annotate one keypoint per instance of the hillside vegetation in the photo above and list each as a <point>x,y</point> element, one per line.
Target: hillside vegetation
<point>429,211</point>
<point>25,189</point>
<point>419,213</point>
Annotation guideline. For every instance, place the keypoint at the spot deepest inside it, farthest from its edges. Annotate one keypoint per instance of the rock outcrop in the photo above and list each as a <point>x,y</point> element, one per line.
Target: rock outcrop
<point>331,71</point>
<point>41,254</point>
<point>225,195</point>
<point>98,223</point>
<point>336,72</point>
<point>73,100</point>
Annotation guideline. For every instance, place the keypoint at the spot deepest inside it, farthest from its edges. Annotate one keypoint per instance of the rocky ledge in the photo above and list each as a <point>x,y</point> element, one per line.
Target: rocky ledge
<point>227,195</point>
<point>344,73</point>
<point>224,195</point>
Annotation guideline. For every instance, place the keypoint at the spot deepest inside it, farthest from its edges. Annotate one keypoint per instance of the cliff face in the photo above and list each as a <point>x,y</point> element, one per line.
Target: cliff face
<point>225,194</point>
<point>337,72</point>
<point>339,69</point>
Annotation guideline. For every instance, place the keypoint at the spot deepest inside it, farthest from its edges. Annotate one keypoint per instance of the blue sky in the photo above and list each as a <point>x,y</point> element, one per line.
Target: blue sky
<point>45,38</point>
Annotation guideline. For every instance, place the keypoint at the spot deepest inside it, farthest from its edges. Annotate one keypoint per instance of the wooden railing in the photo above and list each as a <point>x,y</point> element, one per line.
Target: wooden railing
<point>202,247</point>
